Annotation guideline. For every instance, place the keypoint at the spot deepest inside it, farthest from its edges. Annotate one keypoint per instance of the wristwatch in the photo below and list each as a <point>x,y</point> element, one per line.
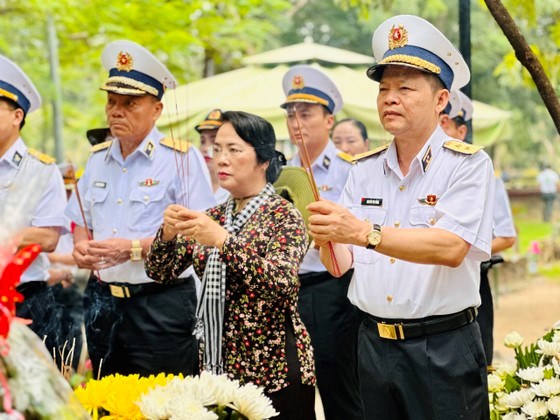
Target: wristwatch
<point>373,238</point>
<point>136,251</point>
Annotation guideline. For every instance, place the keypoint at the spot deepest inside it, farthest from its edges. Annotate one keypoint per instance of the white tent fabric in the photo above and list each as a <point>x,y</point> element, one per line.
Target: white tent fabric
<point>257,88</point>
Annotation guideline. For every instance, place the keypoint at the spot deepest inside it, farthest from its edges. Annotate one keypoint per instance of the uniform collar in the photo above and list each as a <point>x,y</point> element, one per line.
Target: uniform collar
<point>14,155</point>
<point>326,158</point>
<point>423,159</point>
<point>147,148</point>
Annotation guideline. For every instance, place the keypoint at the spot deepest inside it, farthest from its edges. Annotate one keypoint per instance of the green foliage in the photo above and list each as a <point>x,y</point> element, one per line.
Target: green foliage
<point>190,37</point>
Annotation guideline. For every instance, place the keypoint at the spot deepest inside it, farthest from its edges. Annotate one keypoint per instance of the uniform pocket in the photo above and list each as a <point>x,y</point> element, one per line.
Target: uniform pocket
<point>147,205</point>
<point>423,216</point>
<point>97,197</point>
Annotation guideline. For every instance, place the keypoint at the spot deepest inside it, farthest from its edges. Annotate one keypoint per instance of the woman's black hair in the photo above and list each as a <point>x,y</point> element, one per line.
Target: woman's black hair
<point>260,134</point>
<point>358,124</point>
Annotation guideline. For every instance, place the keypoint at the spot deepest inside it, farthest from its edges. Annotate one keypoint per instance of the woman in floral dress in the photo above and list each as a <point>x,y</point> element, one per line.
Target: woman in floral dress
<point>247,252</point>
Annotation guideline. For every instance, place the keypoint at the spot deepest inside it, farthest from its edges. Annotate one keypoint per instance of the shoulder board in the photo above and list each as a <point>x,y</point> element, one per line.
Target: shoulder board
<point>345,156</point>
<point>462,147</point>
<point>373,152</point>
<point>101,146</point>
<point>175,144</point>
<point>46,159</point>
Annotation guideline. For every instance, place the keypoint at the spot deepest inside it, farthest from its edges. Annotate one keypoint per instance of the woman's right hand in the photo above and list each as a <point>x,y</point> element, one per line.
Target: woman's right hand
<point>170,219</point>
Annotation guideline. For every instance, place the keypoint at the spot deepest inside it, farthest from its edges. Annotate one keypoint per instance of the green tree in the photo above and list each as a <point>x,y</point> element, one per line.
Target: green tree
<point>193,38</point>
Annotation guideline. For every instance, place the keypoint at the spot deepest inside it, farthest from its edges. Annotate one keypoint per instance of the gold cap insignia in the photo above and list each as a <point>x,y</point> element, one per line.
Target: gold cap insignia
<point>398,37</point>
<point>125,62</point>
<point>297,82</point>
<point>214,115</point>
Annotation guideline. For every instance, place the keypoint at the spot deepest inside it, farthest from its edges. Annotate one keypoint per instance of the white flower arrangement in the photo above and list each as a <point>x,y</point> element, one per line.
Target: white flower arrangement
<point>530,390</point>
<point>206,397</point>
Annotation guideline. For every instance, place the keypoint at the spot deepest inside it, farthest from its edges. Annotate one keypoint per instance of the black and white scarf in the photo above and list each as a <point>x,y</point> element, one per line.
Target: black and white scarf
<point>210,308</point>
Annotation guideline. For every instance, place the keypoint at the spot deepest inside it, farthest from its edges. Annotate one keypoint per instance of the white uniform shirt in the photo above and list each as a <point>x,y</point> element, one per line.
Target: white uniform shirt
<point>548,180</point>
<point>49,211</point>
<point>330,172</point>
<point>503,219</point>
<point>126,199</point>
<point>463,186</point>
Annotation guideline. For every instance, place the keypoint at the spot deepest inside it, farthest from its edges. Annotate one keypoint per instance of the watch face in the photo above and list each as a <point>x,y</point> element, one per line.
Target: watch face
<point>374,237</point>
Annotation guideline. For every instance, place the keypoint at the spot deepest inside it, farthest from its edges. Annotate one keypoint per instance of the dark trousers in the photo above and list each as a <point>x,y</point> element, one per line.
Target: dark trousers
<point>145,334</point>
<point>435,377</point>
<point>296,401</point>
<point>40,307</point>
<point>330,319</point>
<point>485,317</point>
<point>548,205</point>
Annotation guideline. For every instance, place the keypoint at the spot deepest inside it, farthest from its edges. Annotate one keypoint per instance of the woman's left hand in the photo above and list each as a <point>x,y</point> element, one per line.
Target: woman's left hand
<point>198,226</point>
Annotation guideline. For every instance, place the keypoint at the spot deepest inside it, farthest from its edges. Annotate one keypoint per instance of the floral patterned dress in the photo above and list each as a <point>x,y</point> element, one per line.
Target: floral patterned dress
<point>262,287</point>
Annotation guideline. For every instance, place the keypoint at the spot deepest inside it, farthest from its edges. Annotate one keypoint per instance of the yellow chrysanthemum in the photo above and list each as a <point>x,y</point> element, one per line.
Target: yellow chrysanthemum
<point>94,395</point>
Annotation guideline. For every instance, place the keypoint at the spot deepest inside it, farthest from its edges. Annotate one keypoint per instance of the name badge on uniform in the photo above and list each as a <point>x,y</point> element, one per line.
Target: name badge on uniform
<point>99,184</point>
<point>325,188</point>
<point>326,162</point>
<point>377,202</point>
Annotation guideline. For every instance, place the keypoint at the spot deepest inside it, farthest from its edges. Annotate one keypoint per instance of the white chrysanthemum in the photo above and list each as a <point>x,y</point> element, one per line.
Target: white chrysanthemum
<point>556,336</point>
<point>547,348</point>
<point>215,389</point>
<point>547,387</point>
<point>513,340</point>
<point>495,383</point>
<point>535,409</point>
<point>250,401</point>
<point>516,399</point>
<point>505,368</point>
<point>532,374</point>
<point>187,408</point>
<point>556,365</point>
<point>514,416</point>
<point>553,405</point>
<point>155,403</point>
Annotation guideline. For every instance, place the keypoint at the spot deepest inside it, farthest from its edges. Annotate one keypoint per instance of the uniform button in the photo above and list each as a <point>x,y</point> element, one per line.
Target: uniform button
<point>402,188</point>
<point>432,221</point>
<point>114,230</point>
<point>119,201</point>
<point>397,223</point>
<point>389,298</point>
<point>393,260</point>
<point>146,198</point>
<point>124,169</point>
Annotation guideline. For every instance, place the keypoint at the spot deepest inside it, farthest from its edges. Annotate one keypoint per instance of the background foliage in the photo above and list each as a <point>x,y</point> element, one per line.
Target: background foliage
<point>203,37</point>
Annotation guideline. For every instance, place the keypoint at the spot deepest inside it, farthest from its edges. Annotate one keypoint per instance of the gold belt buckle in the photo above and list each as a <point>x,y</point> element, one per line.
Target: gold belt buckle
<point>389,331</point>
<point>119,291</point>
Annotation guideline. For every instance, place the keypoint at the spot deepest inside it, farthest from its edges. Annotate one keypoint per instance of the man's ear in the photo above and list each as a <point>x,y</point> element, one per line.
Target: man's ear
<point>442,97</point>
<point>462,131</point>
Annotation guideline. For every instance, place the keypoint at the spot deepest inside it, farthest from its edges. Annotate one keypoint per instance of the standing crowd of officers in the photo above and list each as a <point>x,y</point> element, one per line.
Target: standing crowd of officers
<point>389,286</point>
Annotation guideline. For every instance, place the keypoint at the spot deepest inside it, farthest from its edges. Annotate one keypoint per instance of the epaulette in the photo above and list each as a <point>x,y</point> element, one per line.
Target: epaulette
<point>46,159</point>
<point>373,152</point>
<point>345,156</point>
<point>175,144</point>
<point>462,147</point>
<point>101,146</point>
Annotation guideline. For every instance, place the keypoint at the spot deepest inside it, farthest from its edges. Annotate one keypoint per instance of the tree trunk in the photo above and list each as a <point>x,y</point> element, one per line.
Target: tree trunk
<point>527,58</point>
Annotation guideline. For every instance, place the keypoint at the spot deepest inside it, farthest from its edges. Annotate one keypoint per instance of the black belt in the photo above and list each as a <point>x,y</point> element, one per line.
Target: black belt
<point>128,290</point>
<point>309,279</point>
<point>401,329</point>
